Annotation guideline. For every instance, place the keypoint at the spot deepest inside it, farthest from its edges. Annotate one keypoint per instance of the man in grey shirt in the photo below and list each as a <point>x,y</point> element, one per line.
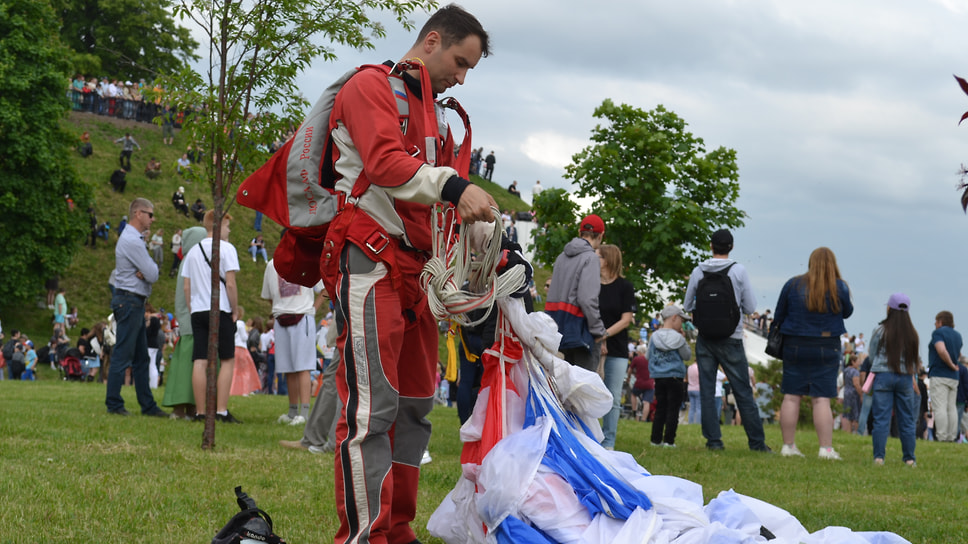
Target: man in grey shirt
<point>134,273</point>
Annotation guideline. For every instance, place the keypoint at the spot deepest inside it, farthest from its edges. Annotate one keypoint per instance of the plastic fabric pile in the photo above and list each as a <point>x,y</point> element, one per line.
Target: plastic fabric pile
<point>533,470</point>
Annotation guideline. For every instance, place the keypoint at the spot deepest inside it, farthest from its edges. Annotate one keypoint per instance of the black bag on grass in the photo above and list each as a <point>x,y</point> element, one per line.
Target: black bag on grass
<point>252,524</point>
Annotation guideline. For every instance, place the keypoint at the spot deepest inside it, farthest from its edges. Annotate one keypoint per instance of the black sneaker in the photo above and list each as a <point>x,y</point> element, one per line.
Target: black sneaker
<point>157,413</point>
<point>227,418</point>
<point>120,412</point>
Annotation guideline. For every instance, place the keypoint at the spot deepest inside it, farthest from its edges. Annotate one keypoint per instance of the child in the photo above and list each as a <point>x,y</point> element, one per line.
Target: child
<point>667,351</point>
<point>31,361</point>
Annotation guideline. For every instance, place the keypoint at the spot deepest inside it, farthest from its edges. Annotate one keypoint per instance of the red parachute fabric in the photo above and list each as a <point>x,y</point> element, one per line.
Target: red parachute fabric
<point>498,384</point>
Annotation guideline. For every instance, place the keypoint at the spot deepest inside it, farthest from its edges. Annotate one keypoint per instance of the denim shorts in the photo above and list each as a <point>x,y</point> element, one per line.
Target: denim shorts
<point>645,395</point>
<point>810,366</point>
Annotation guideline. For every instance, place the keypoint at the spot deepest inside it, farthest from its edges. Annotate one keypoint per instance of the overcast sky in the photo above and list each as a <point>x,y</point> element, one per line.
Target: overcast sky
<point>843,114</point>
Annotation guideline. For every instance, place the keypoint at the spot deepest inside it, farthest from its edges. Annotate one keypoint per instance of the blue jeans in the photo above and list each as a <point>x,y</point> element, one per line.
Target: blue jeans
<point>865,412</point>
<point>258,221</point>
<point>728,354</point>
<point>130,350</point>
<point>695,408</point>
<point>258,251</point>
<point>615,370</point>
<point>894,391</point>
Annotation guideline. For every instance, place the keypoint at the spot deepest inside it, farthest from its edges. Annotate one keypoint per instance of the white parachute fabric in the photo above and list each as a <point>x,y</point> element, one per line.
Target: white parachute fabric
<point>533,471</point>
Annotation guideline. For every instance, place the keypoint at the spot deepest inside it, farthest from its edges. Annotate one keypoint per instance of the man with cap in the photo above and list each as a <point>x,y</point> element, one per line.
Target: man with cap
<point>728,352</point>
<point>573,296</point>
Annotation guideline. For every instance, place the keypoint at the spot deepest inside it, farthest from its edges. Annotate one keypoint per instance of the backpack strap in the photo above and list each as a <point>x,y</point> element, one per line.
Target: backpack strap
<point>210,264</point>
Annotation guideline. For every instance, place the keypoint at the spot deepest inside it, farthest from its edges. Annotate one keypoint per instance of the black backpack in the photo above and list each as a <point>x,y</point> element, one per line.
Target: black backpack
<point>716,313</point>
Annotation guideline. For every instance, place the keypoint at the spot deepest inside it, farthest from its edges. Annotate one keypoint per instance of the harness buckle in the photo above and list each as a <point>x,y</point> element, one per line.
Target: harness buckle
<point>377,242</point>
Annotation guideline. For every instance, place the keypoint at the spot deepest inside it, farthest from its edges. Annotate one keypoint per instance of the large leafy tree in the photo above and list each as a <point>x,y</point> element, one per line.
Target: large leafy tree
<point>659,191</point>
<point>42,200</point>
<point>126,39</point>
<point>256,49</point>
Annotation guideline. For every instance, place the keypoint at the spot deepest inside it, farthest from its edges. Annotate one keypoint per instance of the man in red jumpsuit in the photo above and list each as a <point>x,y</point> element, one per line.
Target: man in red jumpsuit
<point>388,336</point>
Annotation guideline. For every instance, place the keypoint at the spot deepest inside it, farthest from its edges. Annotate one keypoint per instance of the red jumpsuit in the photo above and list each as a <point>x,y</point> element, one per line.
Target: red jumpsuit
<point>387,335</point>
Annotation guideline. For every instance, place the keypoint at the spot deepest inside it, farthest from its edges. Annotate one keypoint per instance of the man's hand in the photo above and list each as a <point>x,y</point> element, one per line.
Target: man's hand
<point>475,205</point>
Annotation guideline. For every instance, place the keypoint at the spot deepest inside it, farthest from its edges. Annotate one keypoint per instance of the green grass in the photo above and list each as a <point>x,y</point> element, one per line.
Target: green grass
<point>75,474</point>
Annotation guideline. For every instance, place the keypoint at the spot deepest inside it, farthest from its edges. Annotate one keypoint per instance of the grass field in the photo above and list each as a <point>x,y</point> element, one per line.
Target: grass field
<point>75,474</point>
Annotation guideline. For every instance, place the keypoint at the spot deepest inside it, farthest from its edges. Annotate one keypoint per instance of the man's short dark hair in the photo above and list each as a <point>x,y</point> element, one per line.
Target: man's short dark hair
<point>454,23</point>
<point>946,319</point>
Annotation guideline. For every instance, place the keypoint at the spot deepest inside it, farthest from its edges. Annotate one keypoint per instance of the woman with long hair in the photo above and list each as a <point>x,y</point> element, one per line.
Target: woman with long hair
<point>810,313</point>
<point>616,302</point>
<point>894,363</point>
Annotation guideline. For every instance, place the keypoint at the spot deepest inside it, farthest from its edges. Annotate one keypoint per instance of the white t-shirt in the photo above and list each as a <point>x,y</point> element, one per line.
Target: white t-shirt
<point>720,378</point>
<point>241,338</point>
<point>198,271</point>
<point>288,298</point>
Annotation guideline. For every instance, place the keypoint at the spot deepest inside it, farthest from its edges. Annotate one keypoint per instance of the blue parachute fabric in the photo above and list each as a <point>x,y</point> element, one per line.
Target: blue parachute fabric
<point>514,531</point>
<point>597,487</point>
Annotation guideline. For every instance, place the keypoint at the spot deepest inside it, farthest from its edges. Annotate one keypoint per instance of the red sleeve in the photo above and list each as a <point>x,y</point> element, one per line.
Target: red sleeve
<point>368,110</point>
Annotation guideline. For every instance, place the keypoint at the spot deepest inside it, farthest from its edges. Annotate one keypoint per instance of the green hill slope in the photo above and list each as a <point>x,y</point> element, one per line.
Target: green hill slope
<point>86,280</point>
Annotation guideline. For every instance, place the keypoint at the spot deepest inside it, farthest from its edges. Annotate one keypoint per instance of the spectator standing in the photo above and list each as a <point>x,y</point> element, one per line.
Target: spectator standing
<point>176,252</point>
<point>168,126</point>
<point>128,144</point>
<point>715,351</point>
<point>60,308</point>
<point>643,387</point>
<point>134,274</point>
<point>962,401</point>
<point>178,382</point>
<point>30,362</point>
<point>536,190</point>
<point>692,390</point>
<point>811,310</point>
<point>319,434</point>
<point>573,297</point>
<point>157,247</point>
<point>668,350</point>
<point>489,166</point>
<point>294,310</point>
<point>197,272</point>
<point>853,393</point>
<point>245,378</point>
<point>617,305</point>
<point>894,362</point>
<point>944,350</point>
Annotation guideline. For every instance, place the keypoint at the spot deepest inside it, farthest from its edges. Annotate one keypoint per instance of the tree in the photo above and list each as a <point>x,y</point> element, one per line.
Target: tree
<point>257,48</point>
<point>963,171</point>
<point>125,39</point>
<point>660,193</point>
<point>42,200</point>
<point>558,224</point>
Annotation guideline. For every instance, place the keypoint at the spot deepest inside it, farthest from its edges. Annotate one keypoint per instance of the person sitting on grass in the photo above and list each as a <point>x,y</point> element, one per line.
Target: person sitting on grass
<point>153,168</point>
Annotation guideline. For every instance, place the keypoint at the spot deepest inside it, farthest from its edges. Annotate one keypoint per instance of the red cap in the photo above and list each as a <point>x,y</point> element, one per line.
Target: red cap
<point>592,223</point>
